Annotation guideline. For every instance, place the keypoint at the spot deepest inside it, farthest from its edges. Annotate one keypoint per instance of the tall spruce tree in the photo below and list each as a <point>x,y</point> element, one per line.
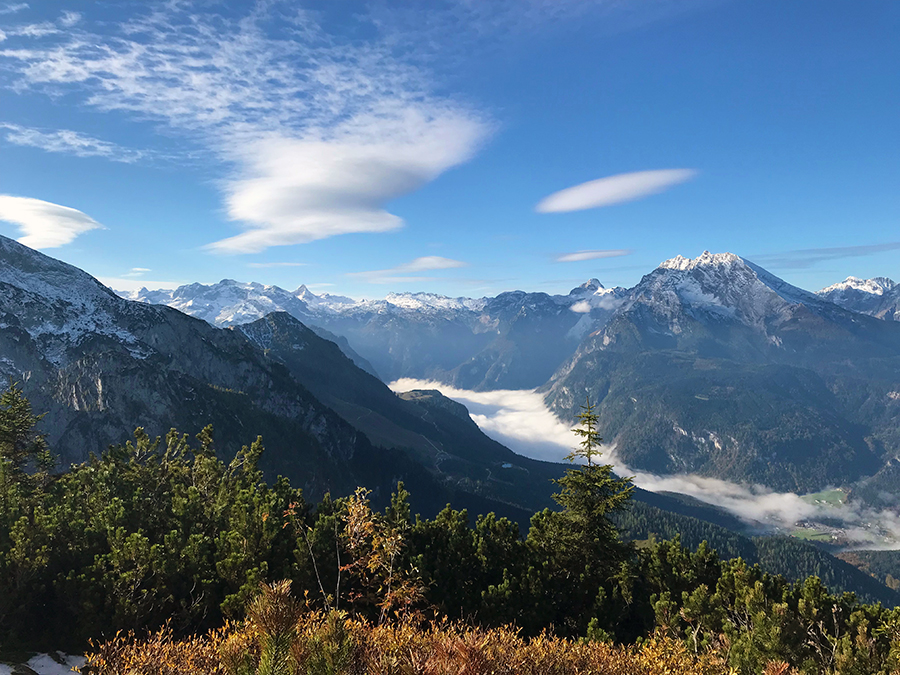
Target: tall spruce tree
<point>581,545</point>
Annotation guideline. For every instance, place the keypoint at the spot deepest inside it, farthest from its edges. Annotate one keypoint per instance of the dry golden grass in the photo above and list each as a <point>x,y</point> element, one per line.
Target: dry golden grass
<point>158,654</point>
<point>335,644</point>
<point>279,639</point>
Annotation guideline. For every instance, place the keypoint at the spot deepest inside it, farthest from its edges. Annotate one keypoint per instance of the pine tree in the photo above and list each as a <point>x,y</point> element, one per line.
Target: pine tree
<point>589,447</point>
<point>21,445</point>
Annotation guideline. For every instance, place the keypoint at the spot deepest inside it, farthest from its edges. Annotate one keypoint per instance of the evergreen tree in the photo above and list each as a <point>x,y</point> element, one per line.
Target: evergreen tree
<point>589,447</point>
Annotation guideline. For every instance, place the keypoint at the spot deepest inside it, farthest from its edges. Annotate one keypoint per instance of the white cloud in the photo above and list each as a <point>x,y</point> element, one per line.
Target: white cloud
<point>69,19</point>
<point>293,191</point>
<point>423,264</point>
<point>429,262</point>
<point>35,30</point>
<point>320,133</point>
<point>67,141</point>
<point>44,224</point>
<point>579,256</point>
<point>13,8</point>
<point>582,307</point>
<point>624,187</point>
<point>518,419</point>
<point>137,272</point>
<point>275,264</point>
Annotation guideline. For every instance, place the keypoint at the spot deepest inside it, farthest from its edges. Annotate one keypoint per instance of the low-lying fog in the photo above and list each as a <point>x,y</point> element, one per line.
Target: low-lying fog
<point>521,421</point>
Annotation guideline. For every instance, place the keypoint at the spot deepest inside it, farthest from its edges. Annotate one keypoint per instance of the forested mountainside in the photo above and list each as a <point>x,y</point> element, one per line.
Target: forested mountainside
<point>163,534</point>
<point>716,366</point>
<point>100,365</point>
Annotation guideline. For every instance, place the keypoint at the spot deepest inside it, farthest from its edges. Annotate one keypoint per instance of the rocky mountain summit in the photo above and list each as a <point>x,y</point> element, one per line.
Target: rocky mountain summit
<point>713,365</point>
<point>878,297</point>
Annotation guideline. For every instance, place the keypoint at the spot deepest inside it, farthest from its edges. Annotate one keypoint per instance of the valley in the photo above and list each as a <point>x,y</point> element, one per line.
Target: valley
<point>748,413</point>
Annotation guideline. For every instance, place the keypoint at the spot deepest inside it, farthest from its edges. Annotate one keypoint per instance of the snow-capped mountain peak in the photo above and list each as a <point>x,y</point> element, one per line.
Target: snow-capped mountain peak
<point>706,259</point>
<point>874,286</point>
<point>878,297</point>
<point>717,286</point>
<point>589,286</point>
<point>432,301</point>
<point>56,304</point>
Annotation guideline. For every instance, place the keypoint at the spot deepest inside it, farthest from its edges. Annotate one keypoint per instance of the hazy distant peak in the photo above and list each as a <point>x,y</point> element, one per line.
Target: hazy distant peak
<point>706,259</point>
<point>591,286</point>
<point>878,297</point>
<point>875,286</point>
<point>416,301</point>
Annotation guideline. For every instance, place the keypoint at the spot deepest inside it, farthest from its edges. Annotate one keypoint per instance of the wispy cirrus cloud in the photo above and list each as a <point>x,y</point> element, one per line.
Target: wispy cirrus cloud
<point>401,273</point>
<point>314,132</point>
<point>13,8</point>
<point>623,187</point>
<point>265,265</point>
<point>319,133</point>
<point>68,142</point>
<point>809,257</point>
<point>579,256</point>
<point>44,224</point>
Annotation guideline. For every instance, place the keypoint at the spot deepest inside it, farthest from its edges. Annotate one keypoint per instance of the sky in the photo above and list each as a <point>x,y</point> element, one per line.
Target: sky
<point>460,147</point>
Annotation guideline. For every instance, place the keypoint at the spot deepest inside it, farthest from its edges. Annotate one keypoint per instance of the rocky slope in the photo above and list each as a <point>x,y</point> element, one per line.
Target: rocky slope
<point>714,365</point>
<point>878,297</point>
<point>101,365</point>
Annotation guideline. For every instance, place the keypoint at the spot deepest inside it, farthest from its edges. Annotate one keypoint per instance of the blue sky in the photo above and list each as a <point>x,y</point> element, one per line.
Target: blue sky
<point>456,146</point>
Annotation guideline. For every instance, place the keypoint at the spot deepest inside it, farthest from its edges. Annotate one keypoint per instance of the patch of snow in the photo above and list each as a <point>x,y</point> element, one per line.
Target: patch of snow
<point>874,286</point>
<point>44,664</point>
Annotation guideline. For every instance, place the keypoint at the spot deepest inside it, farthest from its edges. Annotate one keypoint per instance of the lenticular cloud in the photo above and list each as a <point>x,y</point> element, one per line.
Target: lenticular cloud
<point>44,224</point>
<point>624,187</point>
<point>318,133</point>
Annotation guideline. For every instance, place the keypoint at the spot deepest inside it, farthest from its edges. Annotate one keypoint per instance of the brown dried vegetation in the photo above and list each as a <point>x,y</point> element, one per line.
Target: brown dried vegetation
<point>334,644</point>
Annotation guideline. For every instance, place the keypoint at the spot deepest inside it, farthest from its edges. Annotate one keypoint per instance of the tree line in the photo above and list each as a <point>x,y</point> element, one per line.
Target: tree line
<point>161,532</point>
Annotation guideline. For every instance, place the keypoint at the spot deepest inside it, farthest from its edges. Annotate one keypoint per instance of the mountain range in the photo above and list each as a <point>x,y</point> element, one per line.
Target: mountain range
<point>710,365</point>
<point>515,340</point>
<point>715,366</point>
<point>100,365</point>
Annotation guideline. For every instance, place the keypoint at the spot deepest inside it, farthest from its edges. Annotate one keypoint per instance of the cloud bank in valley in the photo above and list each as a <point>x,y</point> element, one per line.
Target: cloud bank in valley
<point>623,187</point>
<point>44,224</point>
<point>521,421</point>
